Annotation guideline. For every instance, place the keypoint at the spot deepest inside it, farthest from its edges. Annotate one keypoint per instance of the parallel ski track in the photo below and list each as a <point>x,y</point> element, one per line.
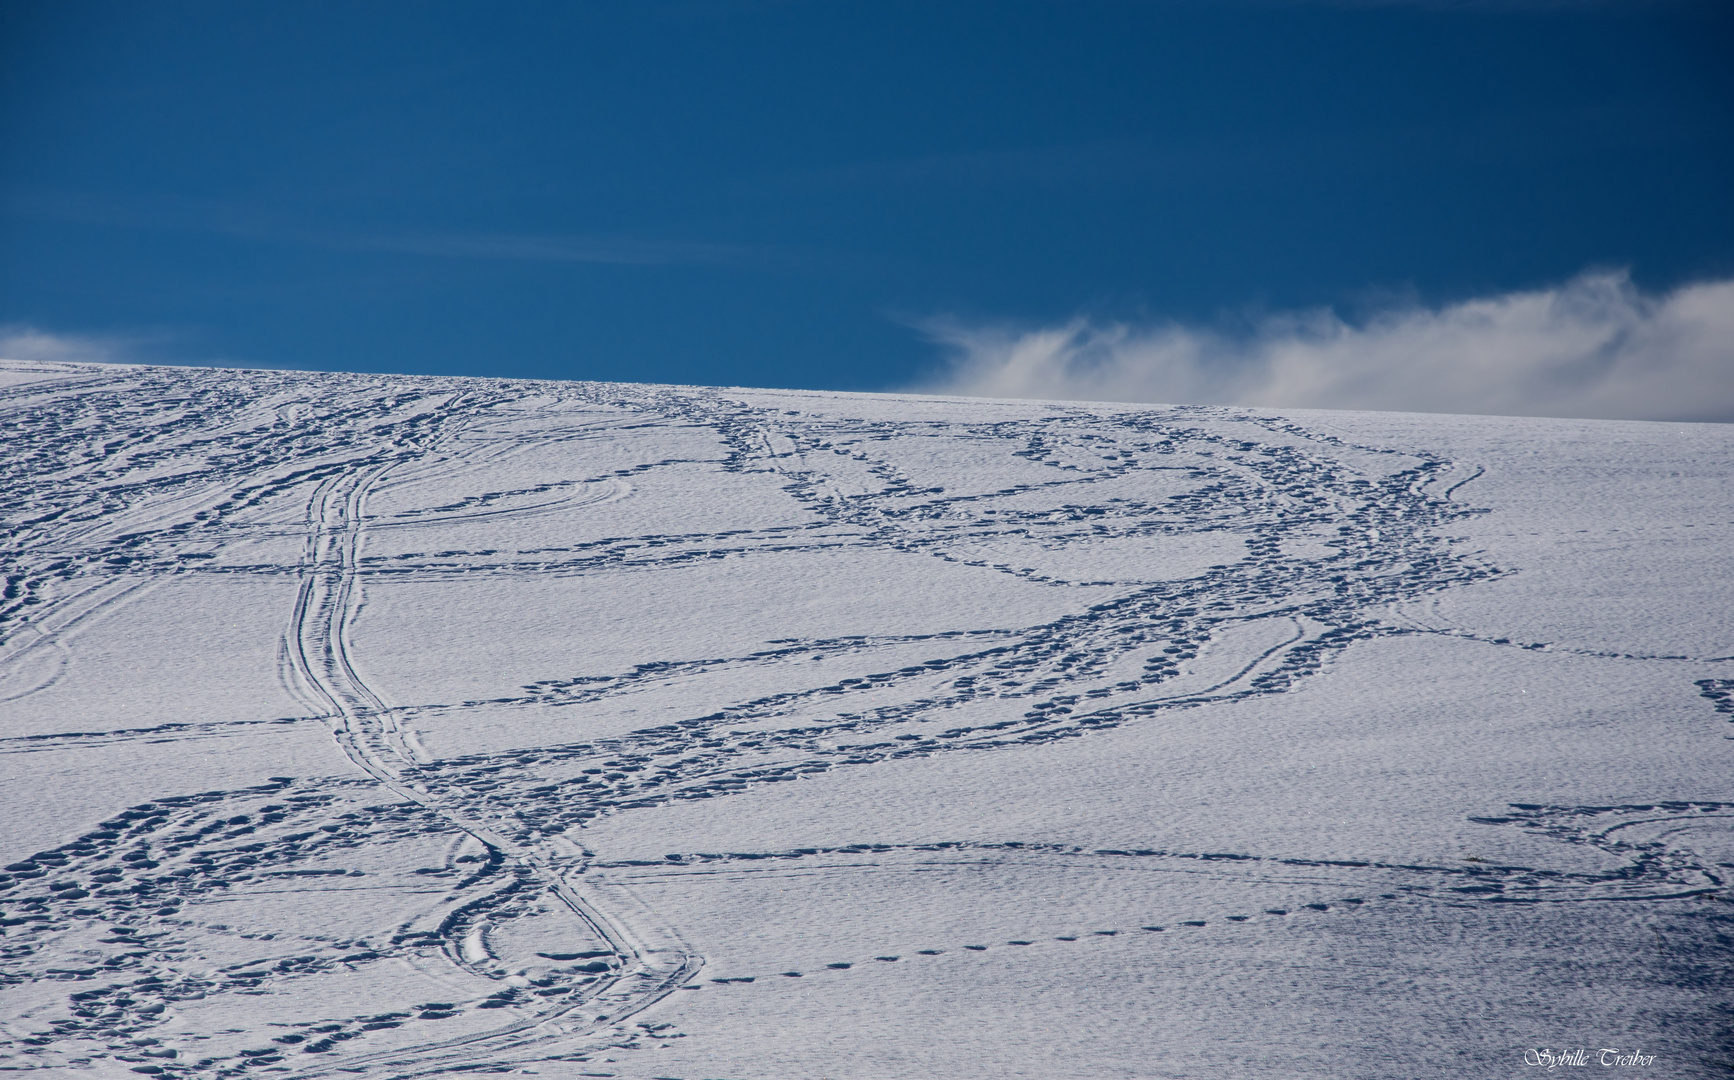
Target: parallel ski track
<point>366,729</point>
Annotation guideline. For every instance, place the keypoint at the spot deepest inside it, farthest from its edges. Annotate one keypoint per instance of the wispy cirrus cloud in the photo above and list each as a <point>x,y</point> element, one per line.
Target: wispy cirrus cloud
<point>620,251</point>
<point>1595,346</point>
<point>240,222</point>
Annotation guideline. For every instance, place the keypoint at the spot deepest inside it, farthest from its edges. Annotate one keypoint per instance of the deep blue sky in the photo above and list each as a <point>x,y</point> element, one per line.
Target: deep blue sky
<point>768,193</point>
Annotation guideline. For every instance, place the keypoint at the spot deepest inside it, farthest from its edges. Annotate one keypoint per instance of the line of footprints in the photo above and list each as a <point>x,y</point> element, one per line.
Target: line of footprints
<point>1349,902</point>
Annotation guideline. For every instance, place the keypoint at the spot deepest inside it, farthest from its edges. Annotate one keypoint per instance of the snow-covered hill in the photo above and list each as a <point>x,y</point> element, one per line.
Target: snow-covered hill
<point>392,726</point>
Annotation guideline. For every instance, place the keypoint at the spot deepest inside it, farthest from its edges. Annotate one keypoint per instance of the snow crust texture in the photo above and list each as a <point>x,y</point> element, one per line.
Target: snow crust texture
<point>400,727</point>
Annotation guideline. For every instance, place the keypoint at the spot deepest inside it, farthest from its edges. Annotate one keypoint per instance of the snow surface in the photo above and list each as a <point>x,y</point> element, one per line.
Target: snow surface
<point>390,726</point>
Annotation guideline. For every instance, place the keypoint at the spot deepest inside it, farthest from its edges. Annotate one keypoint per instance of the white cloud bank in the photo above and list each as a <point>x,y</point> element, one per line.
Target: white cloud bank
<point>1593,347</point>
<point>27,343</point>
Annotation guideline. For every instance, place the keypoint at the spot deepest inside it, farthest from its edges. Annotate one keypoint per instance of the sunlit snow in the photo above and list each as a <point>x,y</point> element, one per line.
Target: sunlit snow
<point>390,727</point>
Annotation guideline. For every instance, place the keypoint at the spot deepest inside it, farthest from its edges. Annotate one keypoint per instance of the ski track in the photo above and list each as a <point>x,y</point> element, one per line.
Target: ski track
<point>121,479</point>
